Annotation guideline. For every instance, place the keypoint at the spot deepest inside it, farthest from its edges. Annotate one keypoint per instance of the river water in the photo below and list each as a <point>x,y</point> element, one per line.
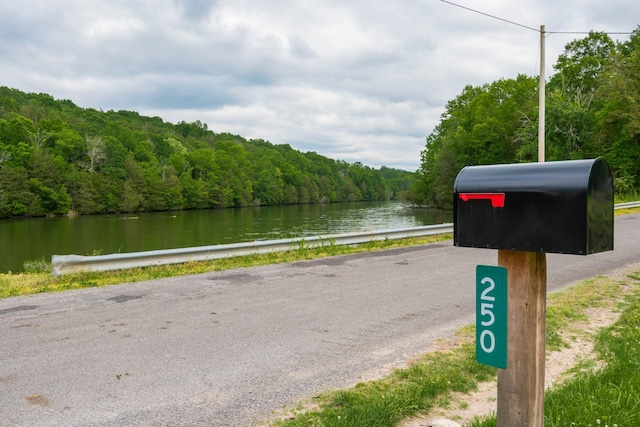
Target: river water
<point>38,238</point>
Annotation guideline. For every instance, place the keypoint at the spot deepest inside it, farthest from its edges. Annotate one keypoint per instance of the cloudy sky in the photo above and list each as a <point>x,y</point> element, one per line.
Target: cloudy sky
<point>359,80</point>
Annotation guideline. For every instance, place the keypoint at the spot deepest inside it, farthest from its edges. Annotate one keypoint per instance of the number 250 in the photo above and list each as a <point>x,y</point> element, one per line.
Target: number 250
<point>486,310</point>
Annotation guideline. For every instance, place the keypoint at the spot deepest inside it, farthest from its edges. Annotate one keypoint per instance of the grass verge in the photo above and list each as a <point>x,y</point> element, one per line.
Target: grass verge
<point>608,393</point>
<point>37,281</point>
<point>431,379</point>
<point>425,383</point>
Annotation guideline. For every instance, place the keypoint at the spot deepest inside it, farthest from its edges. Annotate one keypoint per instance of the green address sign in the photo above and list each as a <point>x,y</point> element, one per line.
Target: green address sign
<point>491,315</point>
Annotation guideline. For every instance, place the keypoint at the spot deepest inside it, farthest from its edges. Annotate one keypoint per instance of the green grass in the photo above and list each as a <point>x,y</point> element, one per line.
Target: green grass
<point>631,197</point>
<point>565,308</point>
<point>430,380</point>
<point>627,197</point>
<point>609,395</point>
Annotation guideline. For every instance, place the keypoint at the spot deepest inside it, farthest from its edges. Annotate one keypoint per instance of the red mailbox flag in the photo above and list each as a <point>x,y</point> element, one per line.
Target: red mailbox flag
<point>497,199</point>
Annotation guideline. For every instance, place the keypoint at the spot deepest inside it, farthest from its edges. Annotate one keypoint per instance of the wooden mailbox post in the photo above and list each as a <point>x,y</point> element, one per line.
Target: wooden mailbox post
<point>521,384</point>
<point>526,211</point>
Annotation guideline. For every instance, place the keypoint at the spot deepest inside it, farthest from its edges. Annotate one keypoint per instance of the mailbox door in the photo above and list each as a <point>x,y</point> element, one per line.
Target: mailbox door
<point>600,208</point>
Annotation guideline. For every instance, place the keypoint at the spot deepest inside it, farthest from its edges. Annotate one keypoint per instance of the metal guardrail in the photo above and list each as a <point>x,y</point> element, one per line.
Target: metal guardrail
<point>67,264</point>
<point>627,205</point>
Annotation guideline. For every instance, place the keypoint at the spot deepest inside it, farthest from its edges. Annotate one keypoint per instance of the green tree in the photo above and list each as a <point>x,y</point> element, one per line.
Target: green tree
<point>63,201</point>
<point>269,186</point>
<point>131,198</point>
<point>203,164</point>
<point>619,118</point>
<point>4,205</point>
<point>580,65</point>
<point>15,128</point>
<point>47,169</point>
<point>5,155</point>
<point>195,193</point>
<point>134,190</point>
<point>66,142</point>
<point>14,183</point>
<point>171,188</point>
<point>232,167</point>
<point>113,158</point>
<point>48,198</point>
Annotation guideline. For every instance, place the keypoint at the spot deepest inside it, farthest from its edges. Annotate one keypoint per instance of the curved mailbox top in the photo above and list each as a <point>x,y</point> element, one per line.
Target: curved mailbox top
<point>571,175</point>
<point>561,207</point>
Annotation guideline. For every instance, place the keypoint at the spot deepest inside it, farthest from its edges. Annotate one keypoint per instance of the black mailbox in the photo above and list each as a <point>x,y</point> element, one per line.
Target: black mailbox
<point>559,207</point>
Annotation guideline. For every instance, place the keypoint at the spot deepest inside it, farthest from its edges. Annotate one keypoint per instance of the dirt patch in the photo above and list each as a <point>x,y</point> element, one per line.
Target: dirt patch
<point>37,400</point>
<point>465,407</point>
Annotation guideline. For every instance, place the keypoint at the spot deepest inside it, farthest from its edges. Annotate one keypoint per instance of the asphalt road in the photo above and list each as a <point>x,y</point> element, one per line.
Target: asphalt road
<point>227,348</point>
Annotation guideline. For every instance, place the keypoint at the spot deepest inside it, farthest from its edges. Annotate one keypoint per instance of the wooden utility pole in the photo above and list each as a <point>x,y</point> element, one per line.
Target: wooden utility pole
<point>521,384</point>
<point>541,99</point>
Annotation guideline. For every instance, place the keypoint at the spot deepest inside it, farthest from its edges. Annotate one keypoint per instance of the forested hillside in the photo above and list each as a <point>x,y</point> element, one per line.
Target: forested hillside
<point>57,158</point>
<point>592,110</point>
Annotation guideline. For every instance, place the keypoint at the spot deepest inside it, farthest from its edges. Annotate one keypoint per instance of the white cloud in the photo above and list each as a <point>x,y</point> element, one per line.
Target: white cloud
<point>357,81</point>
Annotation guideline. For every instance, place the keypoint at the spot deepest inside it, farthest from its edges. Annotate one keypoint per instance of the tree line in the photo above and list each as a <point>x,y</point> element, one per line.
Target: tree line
<point>58,158</point>
<point>592,110</point>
